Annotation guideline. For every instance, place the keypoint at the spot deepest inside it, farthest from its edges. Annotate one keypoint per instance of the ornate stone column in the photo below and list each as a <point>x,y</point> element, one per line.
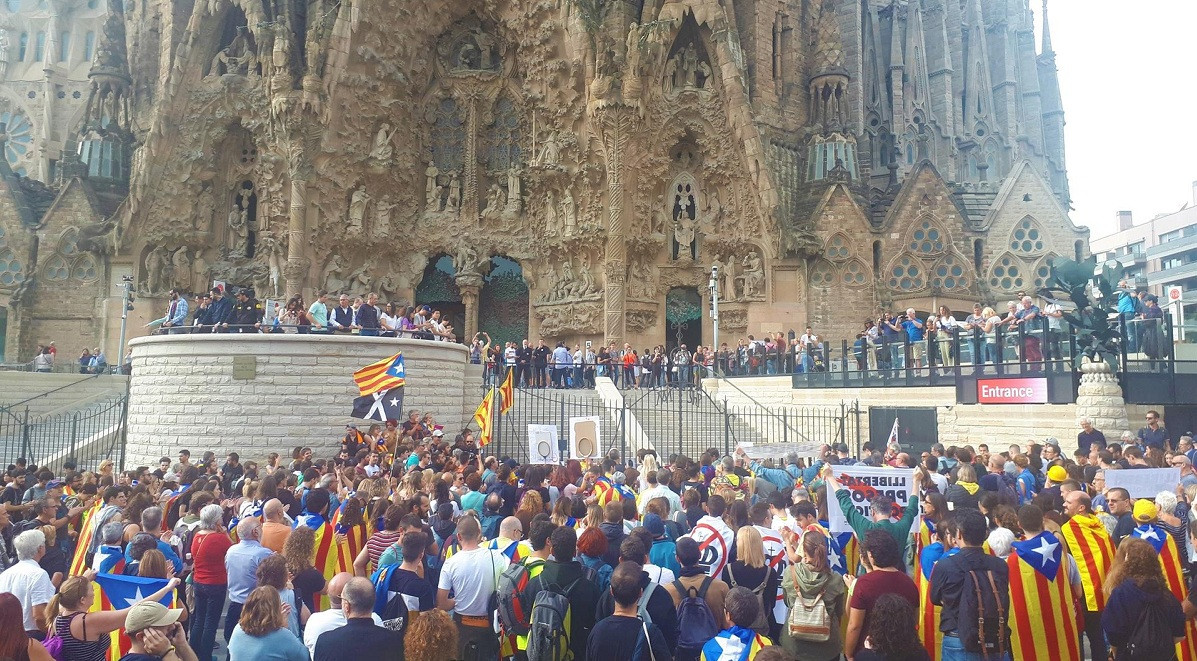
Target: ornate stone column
<point>470,286</point>
<point>614,124</point>
<point>296,269</point>
<point>1099,398</point>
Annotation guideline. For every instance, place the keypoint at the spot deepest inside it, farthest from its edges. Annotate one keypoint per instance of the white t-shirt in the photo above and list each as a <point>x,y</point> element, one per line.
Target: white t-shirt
<point>715,540</point>
<point>326,621</point>
<point>472,576</point>
<point>28,582</point>
<point>940,481</point>
<point>659,575</point>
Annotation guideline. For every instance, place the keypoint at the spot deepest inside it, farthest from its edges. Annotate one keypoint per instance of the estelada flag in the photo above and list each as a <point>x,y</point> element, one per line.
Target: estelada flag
<point>482,417</point>
<point>1165,546</point>
<point>929,613</point>
<point>87,532</point>
<point>385,374</point>
<point>1093,549</point>
<point>925,536</point>
<point>328,550</point>
<point>355,537</point>
<point>381,406</point>
<point>843,550</point>
<point>1043,622</point>
<point>506,393</point>
<point>114,592</point>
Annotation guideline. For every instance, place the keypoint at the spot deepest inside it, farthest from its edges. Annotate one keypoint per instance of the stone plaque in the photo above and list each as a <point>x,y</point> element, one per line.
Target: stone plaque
<point>245,367</point>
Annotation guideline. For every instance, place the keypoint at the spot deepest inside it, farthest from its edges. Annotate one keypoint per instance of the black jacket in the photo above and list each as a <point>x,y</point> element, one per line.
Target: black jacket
<point>582,599</point>
<point>360,638</point>
<point>660,609</point>
<point>948,582</point>
<point>615,535</point>
<point>217,312</point>
<point>246,314</point>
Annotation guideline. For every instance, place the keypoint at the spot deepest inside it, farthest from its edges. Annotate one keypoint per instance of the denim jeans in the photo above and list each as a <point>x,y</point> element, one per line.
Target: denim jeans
<point>205,618</point>
<point>231,619</point>
<point>953,650</point>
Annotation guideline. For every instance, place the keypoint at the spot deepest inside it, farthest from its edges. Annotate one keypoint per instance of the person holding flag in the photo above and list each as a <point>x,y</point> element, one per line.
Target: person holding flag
<point>85,613</point>
<point>943,546</point>
<point>1044,583</point>
<point>1093,550</point>
<point>1146,514</point>
<point>483,417</point>
<point>114,501</point>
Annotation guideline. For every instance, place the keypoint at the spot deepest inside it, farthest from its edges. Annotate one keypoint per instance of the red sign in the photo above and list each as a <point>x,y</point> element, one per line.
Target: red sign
<point>1012,391</point>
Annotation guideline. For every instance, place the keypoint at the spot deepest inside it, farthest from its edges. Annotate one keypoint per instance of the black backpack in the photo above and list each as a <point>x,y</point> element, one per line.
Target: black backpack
<point>1151,639</point>
<point>981,624</point>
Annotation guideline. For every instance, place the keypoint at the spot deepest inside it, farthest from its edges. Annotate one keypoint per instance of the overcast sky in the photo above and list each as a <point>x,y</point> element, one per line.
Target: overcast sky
<point>1126,75</point>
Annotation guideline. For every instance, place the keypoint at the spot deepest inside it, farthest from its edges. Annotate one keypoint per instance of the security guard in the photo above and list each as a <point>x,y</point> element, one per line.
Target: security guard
<point>246,315</point>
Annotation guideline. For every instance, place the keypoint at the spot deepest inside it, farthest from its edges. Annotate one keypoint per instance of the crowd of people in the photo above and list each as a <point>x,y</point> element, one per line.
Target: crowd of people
<point>407,545</point>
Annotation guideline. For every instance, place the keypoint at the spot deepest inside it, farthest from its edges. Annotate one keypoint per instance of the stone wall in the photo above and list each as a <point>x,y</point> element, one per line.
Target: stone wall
<point>185,391</point>
<point>959,424</point>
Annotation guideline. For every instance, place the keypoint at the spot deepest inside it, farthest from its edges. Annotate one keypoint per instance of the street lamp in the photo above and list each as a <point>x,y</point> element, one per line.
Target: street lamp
<point>713,286</point>
<point>126,305</point>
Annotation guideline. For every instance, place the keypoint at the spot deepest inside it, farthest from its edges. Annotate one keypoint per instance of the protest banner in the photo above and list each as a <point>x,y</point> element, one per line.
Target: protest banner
<point>1144,482</point>
<point>777,451</point>
<point>542,444</point>
<point>866,483</point>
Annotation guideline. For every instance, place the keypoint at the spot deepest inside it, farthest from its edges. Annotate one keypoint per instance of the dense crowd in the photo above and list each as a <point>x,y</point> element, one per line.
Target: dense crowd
<point>407,545</point>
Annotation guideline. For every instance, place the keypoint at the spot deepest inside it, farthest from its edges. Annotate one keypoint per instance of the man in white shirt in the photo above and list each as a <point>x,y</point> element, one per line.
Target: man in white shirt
<point>715,539</point>
<point>29,583</point>
<point>655,490</point>
<point>334,617</point>
<point>472,577</point>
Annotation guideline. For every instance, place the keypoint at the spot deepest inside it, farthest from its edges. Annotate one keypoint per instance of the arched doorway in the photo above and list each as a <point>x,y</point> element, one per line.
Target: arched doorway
<point>503,303</point>
<point>438,290</point>
<point>683,318</point>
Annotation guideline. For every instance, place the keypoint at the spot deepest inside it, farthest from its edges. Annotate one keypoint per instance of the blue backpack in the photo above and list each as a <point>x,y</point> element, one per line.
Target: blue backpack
<point>695,621</point>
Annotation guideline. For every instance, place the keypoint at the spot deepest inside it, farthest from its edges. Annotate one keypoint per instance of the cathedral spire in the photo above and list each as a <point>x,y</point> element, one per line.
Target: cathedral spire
<point>1047,33</point>
<point>832,143</point>
<point>105,139</point>
<point>1053,116</point>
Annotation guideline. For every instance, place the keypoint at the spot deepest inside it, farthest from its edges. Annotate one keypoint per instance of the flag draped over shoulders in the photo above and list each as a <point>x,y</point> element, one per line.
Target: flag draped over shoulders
<point>1170,561</point>
<point>1093,549</point>
<point>328,550</point>
<point>354,540</point>
<point>1043,621</point>
<point>112,592</point>
<point>929,613</point>
<point>87,533</point>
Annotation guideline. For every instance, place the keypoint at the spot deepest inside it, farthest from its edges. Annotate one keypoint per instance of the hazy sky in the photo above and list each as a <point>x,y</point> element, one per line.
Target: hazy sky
<point>1126,75</point>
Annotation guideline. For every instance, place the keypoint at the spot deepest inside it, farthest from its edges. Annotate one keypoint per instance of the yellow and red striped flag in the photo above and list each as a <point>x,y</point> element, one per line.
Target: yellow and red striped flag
<point>328,551</point>
<point>1093,549</point>
<point>1165,546</point>
<point>354,540</point>
<point>113,592</point>
<point>506,393</point>
<point>929,613</point>
<point>1043,622</point>
<point>385,374</point>
<point>87,532</point>
<point>925,536</point>
<point>483,418</point>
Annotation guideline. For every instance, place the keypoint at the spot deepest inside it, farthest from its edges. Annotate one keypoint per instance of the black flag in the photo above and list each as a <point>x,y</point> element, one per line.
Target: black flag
<point>381,406</point>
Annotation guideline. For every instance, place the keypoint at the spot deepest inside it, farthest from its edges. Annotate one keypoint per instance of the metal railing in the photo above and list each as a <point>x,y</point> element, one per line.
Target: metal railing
<point>88,435</point>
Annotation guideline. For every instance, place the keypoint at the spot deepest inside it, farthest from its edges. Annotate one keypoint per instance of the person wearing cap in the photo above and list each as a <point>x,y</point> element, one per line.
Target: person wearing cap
<point>155,633</point>
<point>246,314</point>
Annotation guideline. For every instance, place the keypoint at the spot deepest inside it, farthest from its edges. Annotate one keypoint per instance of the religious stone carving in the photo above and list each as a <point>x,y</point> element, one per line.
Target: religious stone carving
<point>733,319</point>
<point>239,58</point>
<point>467,261</point>
<point>432,190</point>
<point>156,263</point>
<point>570,285</point>
<point>559,320</point>
<point>382,215</point>
<point>569,213</point>
<point>686,70</point>
<point>550,151</point>
<point>382,151</point>
<point>683,238</point>
<point>496,201</point>
<point>469,47</point>
<point>273,254</point>
<point>334,276</point>
<point>752,277</point>
<point>238,231</point>
<point>642,281</point>
<point>3,52</point>
<point>454,200</point>
<point>181,269</point>
<point>515,190</point>
<point>358,204</point>
<point>640,321</point>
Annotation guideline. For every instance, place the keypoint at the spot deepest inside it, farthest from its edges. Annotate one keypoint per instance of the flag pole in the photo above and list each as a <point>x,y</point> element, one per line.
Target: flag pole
<point>495,420</point>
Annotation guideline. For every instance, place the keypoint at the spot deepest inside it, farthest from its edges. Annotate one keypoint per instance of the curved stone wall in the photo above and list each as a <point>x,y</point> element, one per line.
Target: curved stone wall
<point>262,393</point>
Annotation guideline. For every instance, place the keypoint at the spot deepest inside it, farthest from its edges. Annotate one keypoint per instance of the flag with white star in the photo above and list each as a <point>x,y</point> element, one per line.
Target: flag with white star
<point>1039,588</point>
<point>1043,552</point>
<point>381,406</point>
<point>1151,534</point>
<point>113,592</point>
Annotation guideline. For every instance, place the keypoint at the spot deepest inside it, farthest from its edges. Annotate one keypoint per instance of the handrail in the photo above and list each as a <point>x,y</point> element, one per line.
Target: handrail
<point>88,378</point>
<point>785,422</point>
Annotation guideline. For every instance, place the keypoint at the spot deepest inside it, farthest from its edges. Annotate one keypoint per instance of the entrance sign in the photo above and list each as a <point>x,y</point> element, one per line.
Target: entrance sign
<point>1012,391</point>
<point>584,437</point>
<point>1144,482</point>
<point>866,483</point>
<point>542,444</point>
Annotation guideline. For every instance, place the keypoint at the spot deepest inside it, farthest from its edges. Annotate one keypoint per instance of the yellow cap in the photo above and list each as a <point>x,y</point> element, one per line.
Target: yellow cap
<point>1145,511</point>
<point>1057,474</point>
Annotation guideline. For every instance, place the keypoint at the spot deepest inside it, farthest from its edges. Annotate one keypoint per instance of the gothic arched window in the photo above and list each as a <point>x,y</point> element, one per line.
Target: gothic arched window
<point>57,268</point>
<point>950,273</point>
<point>504,137</point>
<point>11,270</point>
<point>448,136</point>
<point>927,238</point>
<point>823,274</point>
<point>1008,274</point>
<point>838,248</point>
<point>1027,237</point>
<point>906,274</point>
<point>855,274</point>
<point>85,269</point>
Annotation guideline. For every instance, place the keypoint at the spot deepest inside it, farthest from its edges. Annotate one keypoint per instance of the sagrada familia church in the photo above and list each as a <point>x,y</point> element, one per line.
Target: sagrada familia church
<point>566,169</point>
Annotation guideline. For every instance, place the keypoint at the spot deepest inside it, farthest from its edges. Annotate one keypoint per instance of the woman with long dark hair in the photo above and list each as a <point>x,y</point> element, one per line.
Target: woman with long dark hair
<point>893,632</point>
<point>15,644</point>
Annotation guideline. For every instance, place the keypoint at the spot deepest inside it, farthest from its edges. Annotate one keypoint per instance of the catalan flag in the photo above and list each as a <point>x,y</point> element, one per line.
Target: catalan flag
<point>385,374</point>
<point>506,393</point>
<point>1044,621</point>
<point>929,613</point>
<point>483,418</point>
<point>87,532</point>
<point>843,554</point>
<point>1165,546</point>
<point>925,537</point>
<point>354,539</point>
<point>1093,549</point>
<point>328,550</point>
<point>114,592</point>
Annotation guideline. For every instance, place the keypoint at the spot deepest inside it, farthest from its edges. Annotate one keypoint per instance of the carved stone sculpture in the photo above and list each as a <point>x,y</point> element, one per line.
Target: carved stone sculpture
<point>496,200</point>
<point>274,255</point>
<point>181,269</point>
<point>550,151</point>
<point>454,192</point>
<point>382,215</point>
<point>432,197</point>
<point>550,212</point>
<point>382,151</point>
<point>683,236</point>
<point>238,231</point>
<point>753,276</point>
<point>238,58</point>
<point>155,267</point>
<point>467,262</point>
<point>569,212</point>
<point>358,204</point>
<point>334,275</point>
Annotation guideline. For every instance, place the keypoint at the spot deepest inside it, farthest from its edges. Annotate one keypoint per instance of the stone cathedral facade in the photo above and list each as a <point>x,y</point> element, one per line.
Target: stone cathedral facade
<point>567,169</point>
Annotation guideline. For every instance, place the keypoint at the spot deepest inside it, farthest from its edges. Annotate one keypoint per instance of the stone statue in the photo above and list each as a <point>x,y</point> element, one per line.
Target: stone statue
<point>383,150</point>
<point>432,198</point>
<point>181,266</point>
<point>238,58</point>
<point>274,256</point>
<point>467,261</point>
<point>359,281</point>
<point>550,151</point>
<point>705,70</point>
<point>660,216</point>
<point>671,71</point>
<point>357,208</point>
<point>689,66</point>
<point>569,212</point>
<point>200,267</point>
<point>566,285</point>
<point>238,230</point>
<point>683,235</point>
<point>714,210</point>
<point>334,275</point>
<point>495,201</point>
<point>753,276</point>
<point>454,192</point>
<point>728,277</point>
<point>550,212</point>
<point>204,206</point>
<point>3,52</point>
<point>382,215</point>
<point>155,266</point>
<point>585,276</point>
<point>515,190</point>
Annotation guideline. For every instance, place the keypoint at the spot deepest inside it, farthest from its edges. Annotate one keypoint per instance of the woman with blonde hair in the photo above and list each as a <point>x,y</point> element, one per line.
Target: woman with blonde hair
<point>649,463</point>
<point>1136,584</point>
<point>431,636</point>
<point>261,634</point>
<point>594,516</point>
<point>154,565</point>
<point>86,635</point>
<point>751,571</point>
<point>530,505</point>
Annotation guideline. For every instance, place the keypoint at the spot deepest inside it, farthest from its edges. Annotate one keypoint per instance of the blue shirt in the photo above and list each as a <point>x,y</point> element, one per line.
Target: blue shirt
<point>1154,438</point>
<point>914,330</point>
<point>241,565</point>
<point>171,556</point>
<point>278,645</point>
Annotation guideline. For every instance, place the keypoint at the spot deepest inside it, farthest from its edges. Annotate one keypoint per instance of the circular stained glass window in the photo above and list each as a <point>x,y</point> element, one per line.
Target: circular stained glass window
<point>822,275</point>
<point>1027,237</point>
<point>854,274</point>
<point>10,268</point>
<point>950,274</point>
<point>1007,275</point>
<point>57,269</point>
<point>837,247</point>
<point>19,147</point>
<point>927,239</point>
<point>907,274</point>
<point>85,269</point>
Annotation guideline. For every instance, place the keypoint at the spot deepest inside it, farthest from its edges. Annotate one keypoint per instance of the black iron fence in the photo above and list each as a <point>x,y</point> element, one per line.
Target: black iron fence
<point>672,420</point>
<point>88,435</point>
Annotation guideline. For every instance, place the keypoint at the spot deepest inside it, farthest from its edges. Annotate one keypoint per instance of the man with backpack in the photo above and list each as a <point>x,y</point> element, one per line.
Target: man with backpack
<point>563,600</point>
<point>471,576</point>
<point>699,602</point>
<point>625,634</point>
<point>515,600</point>
<point>655,606</point>
<point>974,590</point>
<point>738,642</point>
